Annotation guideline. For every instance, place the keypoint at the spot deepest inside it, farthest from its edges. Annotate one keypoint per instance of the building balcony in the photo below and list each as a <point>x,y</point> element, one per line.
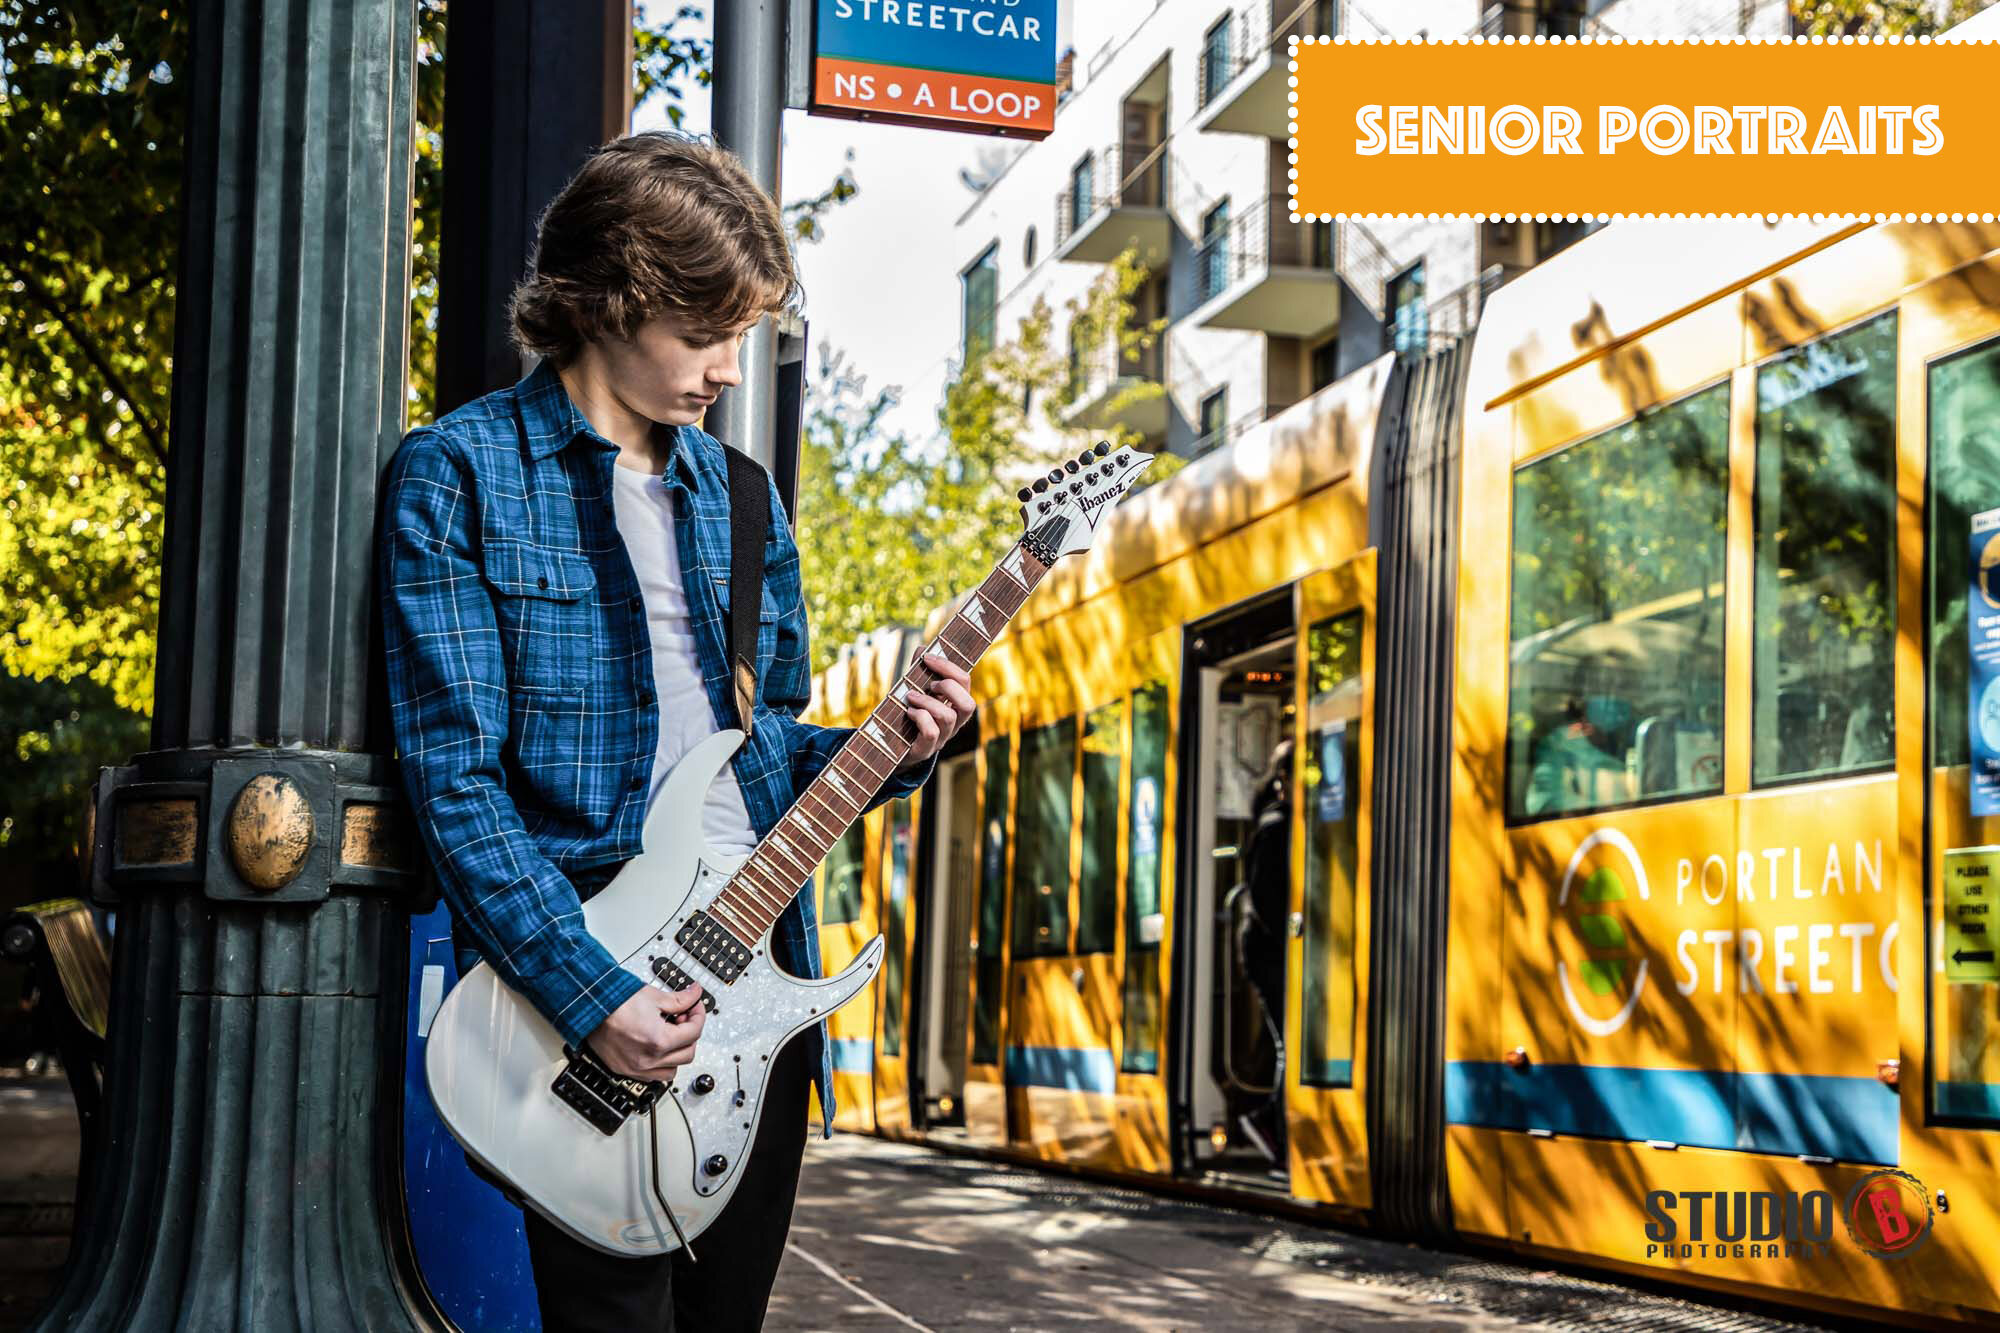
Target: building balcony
<point>1264,272</point>
<point>1117,199</point>
<point>1112,390</point>
<point>1245,62</point>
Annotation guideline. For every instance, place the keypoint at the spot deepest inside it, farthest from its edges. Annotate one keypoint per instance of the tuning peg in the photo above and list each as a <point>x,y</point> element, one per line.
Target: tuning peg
<point>1041,484</point>
<point>1085,456</point>
<point>1026,495</point>
<point>1122,459</point>
<point>1103,448</point>
<point>1071,466</point>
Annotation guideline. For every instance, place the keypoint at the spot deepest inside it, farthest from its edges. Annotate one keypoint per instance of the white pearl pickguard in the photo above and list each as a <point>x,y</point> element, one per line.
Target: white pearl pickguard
<point>491,1058</point>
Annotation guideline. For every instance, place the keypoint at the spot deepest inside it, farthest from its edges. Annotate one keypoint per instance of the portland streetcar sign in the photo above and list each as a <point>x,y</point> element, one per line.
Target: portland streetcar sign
<point>988,66</point>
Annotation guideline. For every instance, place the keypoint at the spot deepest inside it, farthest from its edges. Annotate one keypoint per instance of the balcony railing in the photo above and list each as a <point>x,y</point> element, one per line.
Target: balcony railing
<point>1261,240</point>
<point>1258,27</point>
<point>1095,370</point>
<point>1226,435</point>
<point>1131,175</point>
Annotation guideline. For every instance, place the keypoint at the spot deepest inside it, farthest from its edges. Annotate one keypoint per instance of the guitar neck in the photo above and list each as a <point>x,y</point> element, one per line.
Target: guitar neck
<point>762,887</point>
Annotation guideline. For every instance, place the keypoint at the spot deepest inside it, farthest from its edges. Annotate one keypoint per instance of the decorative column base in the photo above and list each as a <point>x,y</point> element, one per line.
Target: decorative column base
<point>247,1175</point>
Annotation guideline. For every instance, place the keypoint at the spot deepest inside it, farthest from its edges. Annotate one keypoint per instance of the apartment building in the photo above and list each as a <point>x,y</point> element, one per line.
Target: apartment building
<point>1171,141</point>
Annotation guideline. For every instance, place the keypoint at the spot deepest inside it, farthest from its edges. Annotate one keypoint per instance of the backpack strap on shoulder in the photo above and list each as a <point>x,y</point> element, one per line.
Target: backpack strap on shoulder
<point>749,529</point>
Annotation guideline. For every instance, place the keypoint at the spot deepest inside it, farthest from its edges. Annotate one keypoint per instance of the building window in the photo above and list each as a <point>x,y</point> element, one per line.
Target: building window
<point>1103,775</point>
<point>1409,318</point>
<point>1211,261</point>
<point>1825,610</point>
<point>979,290</point>
<point>1614,696</point>
<point>895,921</point>
<point>1215,64</point>
<point>1082,193</point>
<point>1325,363</point>
<point>1213,420</point>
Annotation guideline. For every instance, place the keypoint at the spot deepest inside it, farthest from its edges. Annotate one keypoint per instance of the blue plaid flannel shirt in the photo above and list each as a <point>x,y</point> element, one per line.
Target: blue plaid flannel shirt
<point>521,687</point>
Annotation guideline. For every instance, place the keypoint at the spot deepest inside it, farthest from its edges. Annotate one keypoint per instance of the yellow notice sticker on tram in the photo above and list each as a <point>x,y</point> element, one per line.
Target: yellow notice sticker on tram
<point>1971,889</point>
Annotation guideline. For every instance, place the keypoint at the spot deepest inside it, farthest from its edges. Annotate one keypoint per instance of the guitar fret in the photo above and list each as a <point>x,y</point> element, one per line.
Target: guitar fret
<point>783,849</point>
<point>719,909</point>
<point>819,833</point>
<point>761,894</point>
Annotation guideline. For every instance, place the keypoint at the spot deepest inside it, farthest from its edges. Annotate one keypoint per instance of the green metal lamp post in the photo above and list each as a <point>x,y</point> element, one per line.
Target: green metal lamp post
<point>256,855</point>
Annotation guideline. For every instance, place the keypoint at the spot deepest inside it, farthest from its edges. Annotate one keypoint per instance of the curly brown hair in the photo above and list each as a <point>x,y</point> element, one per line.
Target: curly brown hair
<point>652,224</point>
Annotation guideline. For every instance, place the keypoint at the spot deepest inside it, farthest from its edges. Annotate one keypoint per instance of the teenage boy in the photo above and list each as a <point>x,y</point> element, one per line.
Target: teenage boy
<point>554,565</point>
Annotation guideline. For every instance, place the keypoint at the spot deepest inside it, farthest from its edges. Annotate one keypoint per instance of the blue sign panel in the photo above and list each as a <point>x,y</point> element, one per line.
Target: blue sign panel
<point>1982,626</point>
<point>989,64</point>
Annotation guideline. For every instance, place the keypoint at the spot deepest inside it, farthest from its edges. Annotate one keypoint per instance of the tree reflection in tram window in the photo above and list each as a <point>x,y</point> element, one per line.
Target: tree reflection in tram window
<point>1097,882</point>
<point>844,863</point>
<point>1826,556</point>
<point>1144,923</point>
<point>1615,665</point>
<point>1041,840</point>
<point>1964,480</point>
<point>1332,819</point>
<point>895,915</point>
<point>988,967</point>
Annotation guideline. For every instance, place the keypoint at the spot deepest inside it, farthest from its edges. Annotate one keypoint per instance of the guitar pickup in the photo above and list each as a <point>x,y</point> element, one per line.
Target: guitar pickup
<point>714,947</point>
<point>674,979</point>
<point>603,1098</point>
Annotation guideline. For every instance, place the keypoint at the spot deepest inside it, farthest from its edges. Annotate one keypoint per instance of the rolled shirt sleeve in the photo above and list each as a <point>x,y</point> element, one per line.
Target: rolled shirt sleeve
<point>448,697</point>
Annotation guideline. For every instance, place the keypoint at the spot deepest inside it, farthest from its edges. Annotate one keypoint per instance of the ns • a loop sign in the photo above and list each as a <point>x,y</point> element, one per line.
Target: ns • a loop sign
<point>987,66</point>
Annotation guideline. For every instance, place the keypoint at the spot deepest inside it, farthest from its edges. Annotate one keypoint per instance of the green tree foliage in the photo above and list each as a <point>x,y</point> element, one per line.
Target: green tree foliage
<point>92,117</point>
<point>1887,18</point>
<point>916,527</point>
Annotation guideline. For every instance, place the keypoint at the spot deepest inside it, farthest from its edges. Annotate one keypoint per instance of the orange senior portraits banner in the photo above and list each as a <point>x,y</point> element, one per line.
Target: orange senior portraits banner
<point>1608,127</point>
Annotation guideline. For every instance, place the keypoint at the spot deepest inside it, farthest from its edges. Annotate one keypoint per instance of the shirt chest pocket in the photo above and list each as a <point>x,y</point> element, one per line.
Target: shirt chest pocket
<point>547,610</point>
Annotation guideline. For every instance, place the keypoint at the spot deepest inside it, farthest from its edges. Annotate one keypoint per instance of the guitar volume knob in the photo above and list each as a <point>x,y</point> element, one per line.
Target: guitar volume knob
<point>704,1084</point>
<point>716,1165</point>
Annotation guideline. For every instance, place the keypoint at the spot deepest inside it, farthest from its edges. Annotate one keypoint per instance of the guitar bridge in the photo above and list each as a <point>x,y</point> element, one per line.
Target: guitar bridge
<point>606,1099</point>
<point>714,947</point>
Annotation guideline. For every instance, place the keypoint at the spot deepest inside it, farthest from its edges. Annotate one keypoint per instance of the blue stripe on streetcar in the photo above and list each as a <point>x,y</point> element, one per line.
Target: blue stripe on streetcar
<point>1849,1119</point>
<point>1980,1100</point>
<point>854,1055</point>
<point>1089,1069</point>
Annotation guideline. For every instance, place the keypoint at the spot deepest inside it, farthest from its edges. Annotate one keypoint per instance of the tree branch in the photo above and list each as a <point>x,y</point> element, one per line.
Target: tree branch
<point>91,353</point>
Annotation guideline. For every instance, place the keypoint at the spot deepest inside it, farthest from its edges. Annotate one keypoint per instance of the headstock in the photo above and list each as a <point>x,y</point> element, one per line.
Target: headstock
<point>1063,510</point>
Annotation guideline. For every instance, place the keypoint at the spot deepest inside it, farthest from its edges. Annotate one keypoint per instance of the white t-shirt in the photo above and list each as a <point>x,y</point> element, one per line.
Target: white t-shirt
<point>645,514</point>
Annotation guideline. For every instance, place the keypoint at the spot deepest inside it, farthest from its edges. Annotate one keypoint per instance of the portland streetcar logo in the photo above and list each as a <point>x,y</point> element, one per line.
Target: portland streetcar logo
<point>1602,875</point>
<point>1889,1214</point>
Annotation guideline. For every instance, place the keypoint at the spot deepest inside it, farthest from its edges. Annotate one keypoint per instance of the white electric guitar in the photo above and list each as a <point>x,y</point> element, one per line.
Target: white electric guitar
<point>641,1168</point>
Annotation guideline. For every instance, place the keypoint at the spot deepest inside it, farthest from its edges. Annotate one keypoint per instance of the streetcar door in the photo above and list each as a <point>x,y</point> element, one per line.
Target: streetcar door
<point>1238,709</point>
<point>1326,928</point>
<point>946,928</point>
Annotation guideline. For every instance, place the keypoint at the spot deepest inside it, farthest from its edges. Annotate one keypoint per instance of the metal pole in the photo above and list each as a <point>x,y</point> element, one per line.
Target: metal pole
<point>749,104</point>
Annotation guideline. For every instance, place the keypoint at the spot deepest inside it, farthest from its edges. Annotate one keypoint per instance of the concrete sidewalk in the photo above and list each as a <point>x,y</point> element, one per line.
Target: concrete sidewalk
<point>893,1237</point>
<point>37,1191</point>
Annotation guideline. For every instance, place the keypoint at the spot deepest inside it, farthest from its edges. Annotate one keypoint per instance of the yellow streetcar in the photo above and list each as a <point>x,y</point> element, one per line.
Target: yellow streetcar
<point>1608,687</point>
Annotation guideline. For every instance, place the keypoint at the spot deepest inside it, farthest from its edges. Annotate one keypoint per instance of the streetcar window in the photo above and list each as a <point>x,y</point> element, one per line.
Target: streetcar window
<point>1103,774</point>
<point>895,915</point>
<point>1041,840</point>
<point>1615,686</point>
<point>1143,920</point>
<point>1332,809</point>
<point>1825,604</point>
<point>1964,480</point>
<point>988,967</point>
<point>842,902</point>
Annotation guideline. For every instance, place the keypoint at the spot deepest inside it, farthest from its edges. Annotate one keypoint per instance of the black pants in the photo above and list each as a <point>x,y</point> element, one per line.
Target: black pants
<point>585,1290</point>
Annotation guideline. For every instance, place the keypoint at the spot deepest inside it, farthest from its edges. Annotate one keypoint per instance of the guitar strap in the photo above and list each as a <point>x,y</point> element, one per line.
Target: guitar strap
<point>749,528</point>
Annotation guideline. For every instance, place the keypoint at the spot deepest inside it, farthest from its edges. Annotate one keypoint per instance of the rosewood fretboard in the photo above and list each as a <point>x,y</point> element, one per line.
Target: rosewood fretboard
<point>753,899</point>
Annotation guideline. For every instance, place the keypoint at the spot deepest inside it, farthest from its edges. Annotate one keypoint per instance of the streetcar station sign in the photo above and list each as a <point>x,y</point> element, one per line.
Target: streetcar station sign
<point>986,66</point>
